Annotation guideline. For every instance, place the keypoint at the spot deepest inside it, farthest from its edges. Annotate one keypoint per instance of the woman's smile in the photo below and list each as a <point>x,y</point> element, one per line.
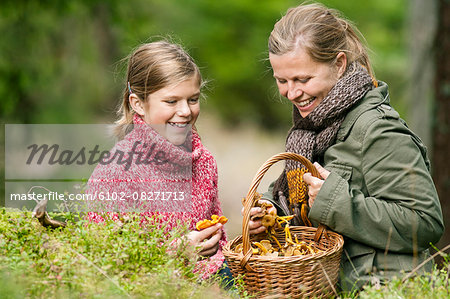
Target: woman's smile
<point>304,81</point>
<point>305,103</point>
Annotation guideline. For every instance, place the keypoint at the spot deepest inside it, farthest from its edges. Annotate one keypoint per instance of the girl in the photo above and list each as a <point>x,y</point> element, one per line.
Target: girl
<point>159,166</point>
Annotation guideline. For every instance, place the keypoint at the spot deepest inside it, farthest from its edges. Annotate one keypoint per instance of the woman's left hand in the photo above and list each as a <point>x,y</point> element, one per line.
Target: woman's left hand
<point>314,184</point>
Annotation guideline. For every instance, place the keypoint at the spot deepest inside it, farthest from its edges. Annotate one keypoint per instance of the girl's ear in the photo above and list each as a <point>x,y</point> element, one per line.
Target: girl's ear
<point>341,63</point>
<point>136,104</point>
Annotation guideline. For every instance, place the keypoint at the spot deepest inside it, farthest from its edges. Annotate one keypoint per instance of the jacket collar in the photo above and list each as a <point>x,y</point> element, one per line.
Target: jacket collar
<point>373,99</point>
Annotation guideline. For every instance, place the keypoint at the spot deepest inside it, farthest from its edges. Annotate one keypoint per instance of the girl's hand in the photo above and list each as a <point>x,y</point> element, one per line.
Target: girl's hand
<point>207,240</point>
<point>256,227</point>
<point>314,184</point>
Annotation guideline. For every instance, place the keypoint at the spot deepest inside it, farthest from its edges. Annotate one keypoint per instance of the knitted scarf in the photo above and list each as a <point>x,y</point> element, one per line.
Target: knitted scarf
<point>192,163</point>
<point>313,135</point>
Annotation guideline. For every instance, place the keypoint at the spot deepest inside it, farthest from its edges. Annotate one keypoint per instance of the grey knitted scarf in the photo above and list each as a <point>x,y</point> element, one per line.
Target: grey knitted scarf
<point>311,136</point>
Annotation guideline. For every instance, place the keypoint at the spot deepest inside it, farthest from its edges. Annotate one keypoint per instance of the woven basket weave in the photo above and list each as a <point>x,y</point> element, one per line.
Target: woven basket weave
<point>301,276</point>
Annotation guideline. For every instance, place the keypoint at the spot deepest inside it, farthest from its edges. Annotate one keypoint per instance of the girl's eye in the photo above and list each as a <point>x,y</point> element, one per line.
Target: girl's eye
<point>170,101</point>
<point>193,100</point>
<point>281,81</point>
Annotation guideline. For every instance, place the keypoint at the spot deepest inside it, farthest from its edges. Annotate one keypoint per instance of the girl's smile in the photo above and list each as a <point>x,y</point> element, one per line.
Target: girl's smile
<point>173,110</point>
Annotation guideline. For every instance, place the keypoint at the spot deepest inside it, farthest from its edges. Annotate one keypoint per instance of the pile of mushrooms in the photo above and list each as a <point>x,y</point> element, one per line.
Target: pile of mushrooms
<point>291,247</point>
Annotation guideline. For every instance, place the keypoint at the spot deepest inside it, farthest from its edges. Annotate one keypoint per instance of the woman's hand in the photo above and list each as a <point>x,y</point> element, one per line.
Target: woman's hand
<point>207,240</point>
<point>256,227</point>
<point>314,184</point>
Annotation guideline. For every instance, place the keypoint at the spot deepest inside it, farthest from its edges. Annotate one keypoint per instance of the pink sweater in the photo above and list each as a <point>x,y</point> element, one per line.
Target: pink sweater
<point>170,170</point>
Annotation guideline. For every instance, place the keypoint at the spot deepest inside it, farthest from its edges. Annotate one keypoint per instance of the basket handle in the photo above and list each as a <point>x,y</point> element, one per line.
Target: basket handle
<point>250,199</point>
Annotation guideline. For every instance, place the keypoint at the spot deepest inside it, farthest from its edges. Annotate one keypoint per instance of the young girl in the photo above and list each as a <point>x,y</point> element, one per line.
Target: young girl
<point>159,166</point>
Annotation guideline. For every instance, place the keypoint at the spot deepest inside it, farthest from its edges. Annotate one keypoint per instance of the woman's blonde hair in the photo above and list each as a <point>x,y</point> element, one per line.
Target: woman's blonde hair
<point>151,67</point>
<point>321,32</point>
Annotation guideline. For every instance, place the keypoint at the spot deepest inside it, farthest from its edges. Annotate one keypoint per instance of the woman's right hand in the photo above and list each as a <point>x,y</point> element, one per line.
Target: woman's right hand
<point>256,227</point>
<point>207,240</point>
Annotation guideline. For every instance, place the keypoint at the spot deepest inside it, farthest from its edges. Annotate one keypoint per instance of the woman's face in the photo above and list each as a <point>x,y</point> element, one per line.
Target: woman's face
<point>304,81</point>
<point>173,110</point>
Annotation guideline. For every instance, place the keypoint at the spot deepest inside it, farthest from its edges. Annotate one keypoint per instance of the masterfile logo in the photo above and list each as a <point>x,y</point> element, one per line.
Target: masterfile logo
<point>55,162</point>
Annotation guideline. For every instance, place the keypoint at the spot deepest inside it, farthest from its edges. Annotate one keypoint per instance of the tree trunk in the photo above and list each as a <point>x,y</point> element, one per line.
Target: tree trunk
<point>441,128</point>
<point>422,31</point>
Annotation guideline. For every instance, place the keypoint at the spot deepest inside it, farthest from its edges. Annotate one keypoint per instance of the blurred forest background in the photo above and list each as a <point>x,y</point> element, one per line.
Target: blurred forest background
<point>61,62</point>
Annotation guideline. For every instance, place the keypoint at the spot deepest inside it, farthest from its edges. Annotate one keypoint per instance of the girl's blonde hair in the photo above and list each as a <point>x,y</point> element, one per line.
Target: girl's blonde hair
<point>321,32</point>
<point>151,67</point>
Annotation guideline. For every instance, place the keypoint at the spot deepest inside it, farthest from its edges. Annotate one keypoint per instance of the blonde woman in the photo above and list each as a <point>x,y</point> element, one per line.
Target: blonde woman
<point>375,187</point>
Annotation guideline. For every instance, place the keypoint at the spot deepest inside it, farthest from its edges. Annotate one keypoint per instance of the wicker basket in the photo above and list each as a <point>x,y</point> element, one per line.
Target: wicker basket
<point>288,277</point>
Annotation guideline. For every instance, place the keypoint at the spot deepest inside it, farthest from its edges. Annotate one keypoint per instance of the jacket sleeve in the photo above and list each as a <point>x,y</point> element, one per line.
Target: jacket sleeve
<point>400,209</point>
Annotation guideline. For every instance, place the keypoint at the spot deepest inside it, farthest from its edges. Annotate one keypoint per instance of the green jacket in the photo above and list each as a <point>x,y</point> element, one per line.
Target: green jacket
<point>380,195</point>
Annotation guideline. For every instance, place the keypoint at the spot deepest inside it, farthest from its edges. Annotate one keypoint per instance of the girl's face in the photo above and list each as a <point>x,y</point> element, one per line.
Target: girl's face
<point>173,110</point>
<point>304,81</point>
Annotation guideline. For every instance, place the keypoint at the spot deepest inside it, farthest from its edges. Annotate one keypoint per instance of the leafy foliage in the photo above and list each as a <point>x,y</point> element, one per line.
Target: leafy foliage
<point>108,260</point>
<point>430,285</point>
<point>60,62</point>
<point>89,260</point>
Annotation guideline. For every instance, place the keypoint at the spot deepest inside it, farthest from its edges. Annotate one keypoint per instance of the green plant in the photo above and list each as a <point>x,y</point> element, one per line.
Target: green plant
<point>128,259</point>
<point>84,259</point>
<point>430,285</point>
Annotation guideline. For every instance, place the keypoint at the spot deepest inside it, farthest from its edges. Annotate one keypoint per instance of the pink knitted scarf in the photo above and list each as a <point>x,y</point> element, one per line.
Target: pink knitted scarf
<point>194,169</point>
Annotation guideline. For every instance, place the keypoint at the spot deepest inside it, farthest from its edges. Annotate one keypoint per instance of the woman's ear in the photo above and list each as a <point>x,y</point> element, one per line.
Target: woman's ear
<point>341,63</point>
<point>136,104</point>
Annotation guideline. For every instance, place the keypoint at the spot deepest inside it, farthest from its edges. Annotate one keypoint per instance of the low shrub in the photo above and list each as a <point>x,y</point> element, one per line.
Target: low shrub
<point>92,260</point>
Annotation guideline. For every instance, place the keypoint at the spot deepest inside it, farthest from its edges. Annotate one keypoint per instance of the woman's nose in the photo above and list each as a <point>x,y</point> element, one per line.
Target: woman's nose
<point>293,92</point>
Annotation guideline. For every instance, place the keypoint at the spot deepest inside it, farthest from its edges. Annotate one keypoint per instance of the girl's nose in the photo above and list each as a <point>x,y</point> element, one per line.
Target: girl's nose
<point>183,109</point>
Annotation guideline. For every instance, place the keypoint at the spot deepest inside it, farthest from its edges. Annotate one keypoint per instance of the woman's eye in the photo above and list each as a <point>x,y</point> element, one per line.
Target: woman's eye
<point>304,80</point>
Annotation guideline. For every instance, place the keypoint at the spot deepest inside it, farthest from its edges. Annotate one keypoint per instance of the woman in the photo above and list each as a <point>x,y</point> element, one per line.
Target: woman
<point>376,188</point>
